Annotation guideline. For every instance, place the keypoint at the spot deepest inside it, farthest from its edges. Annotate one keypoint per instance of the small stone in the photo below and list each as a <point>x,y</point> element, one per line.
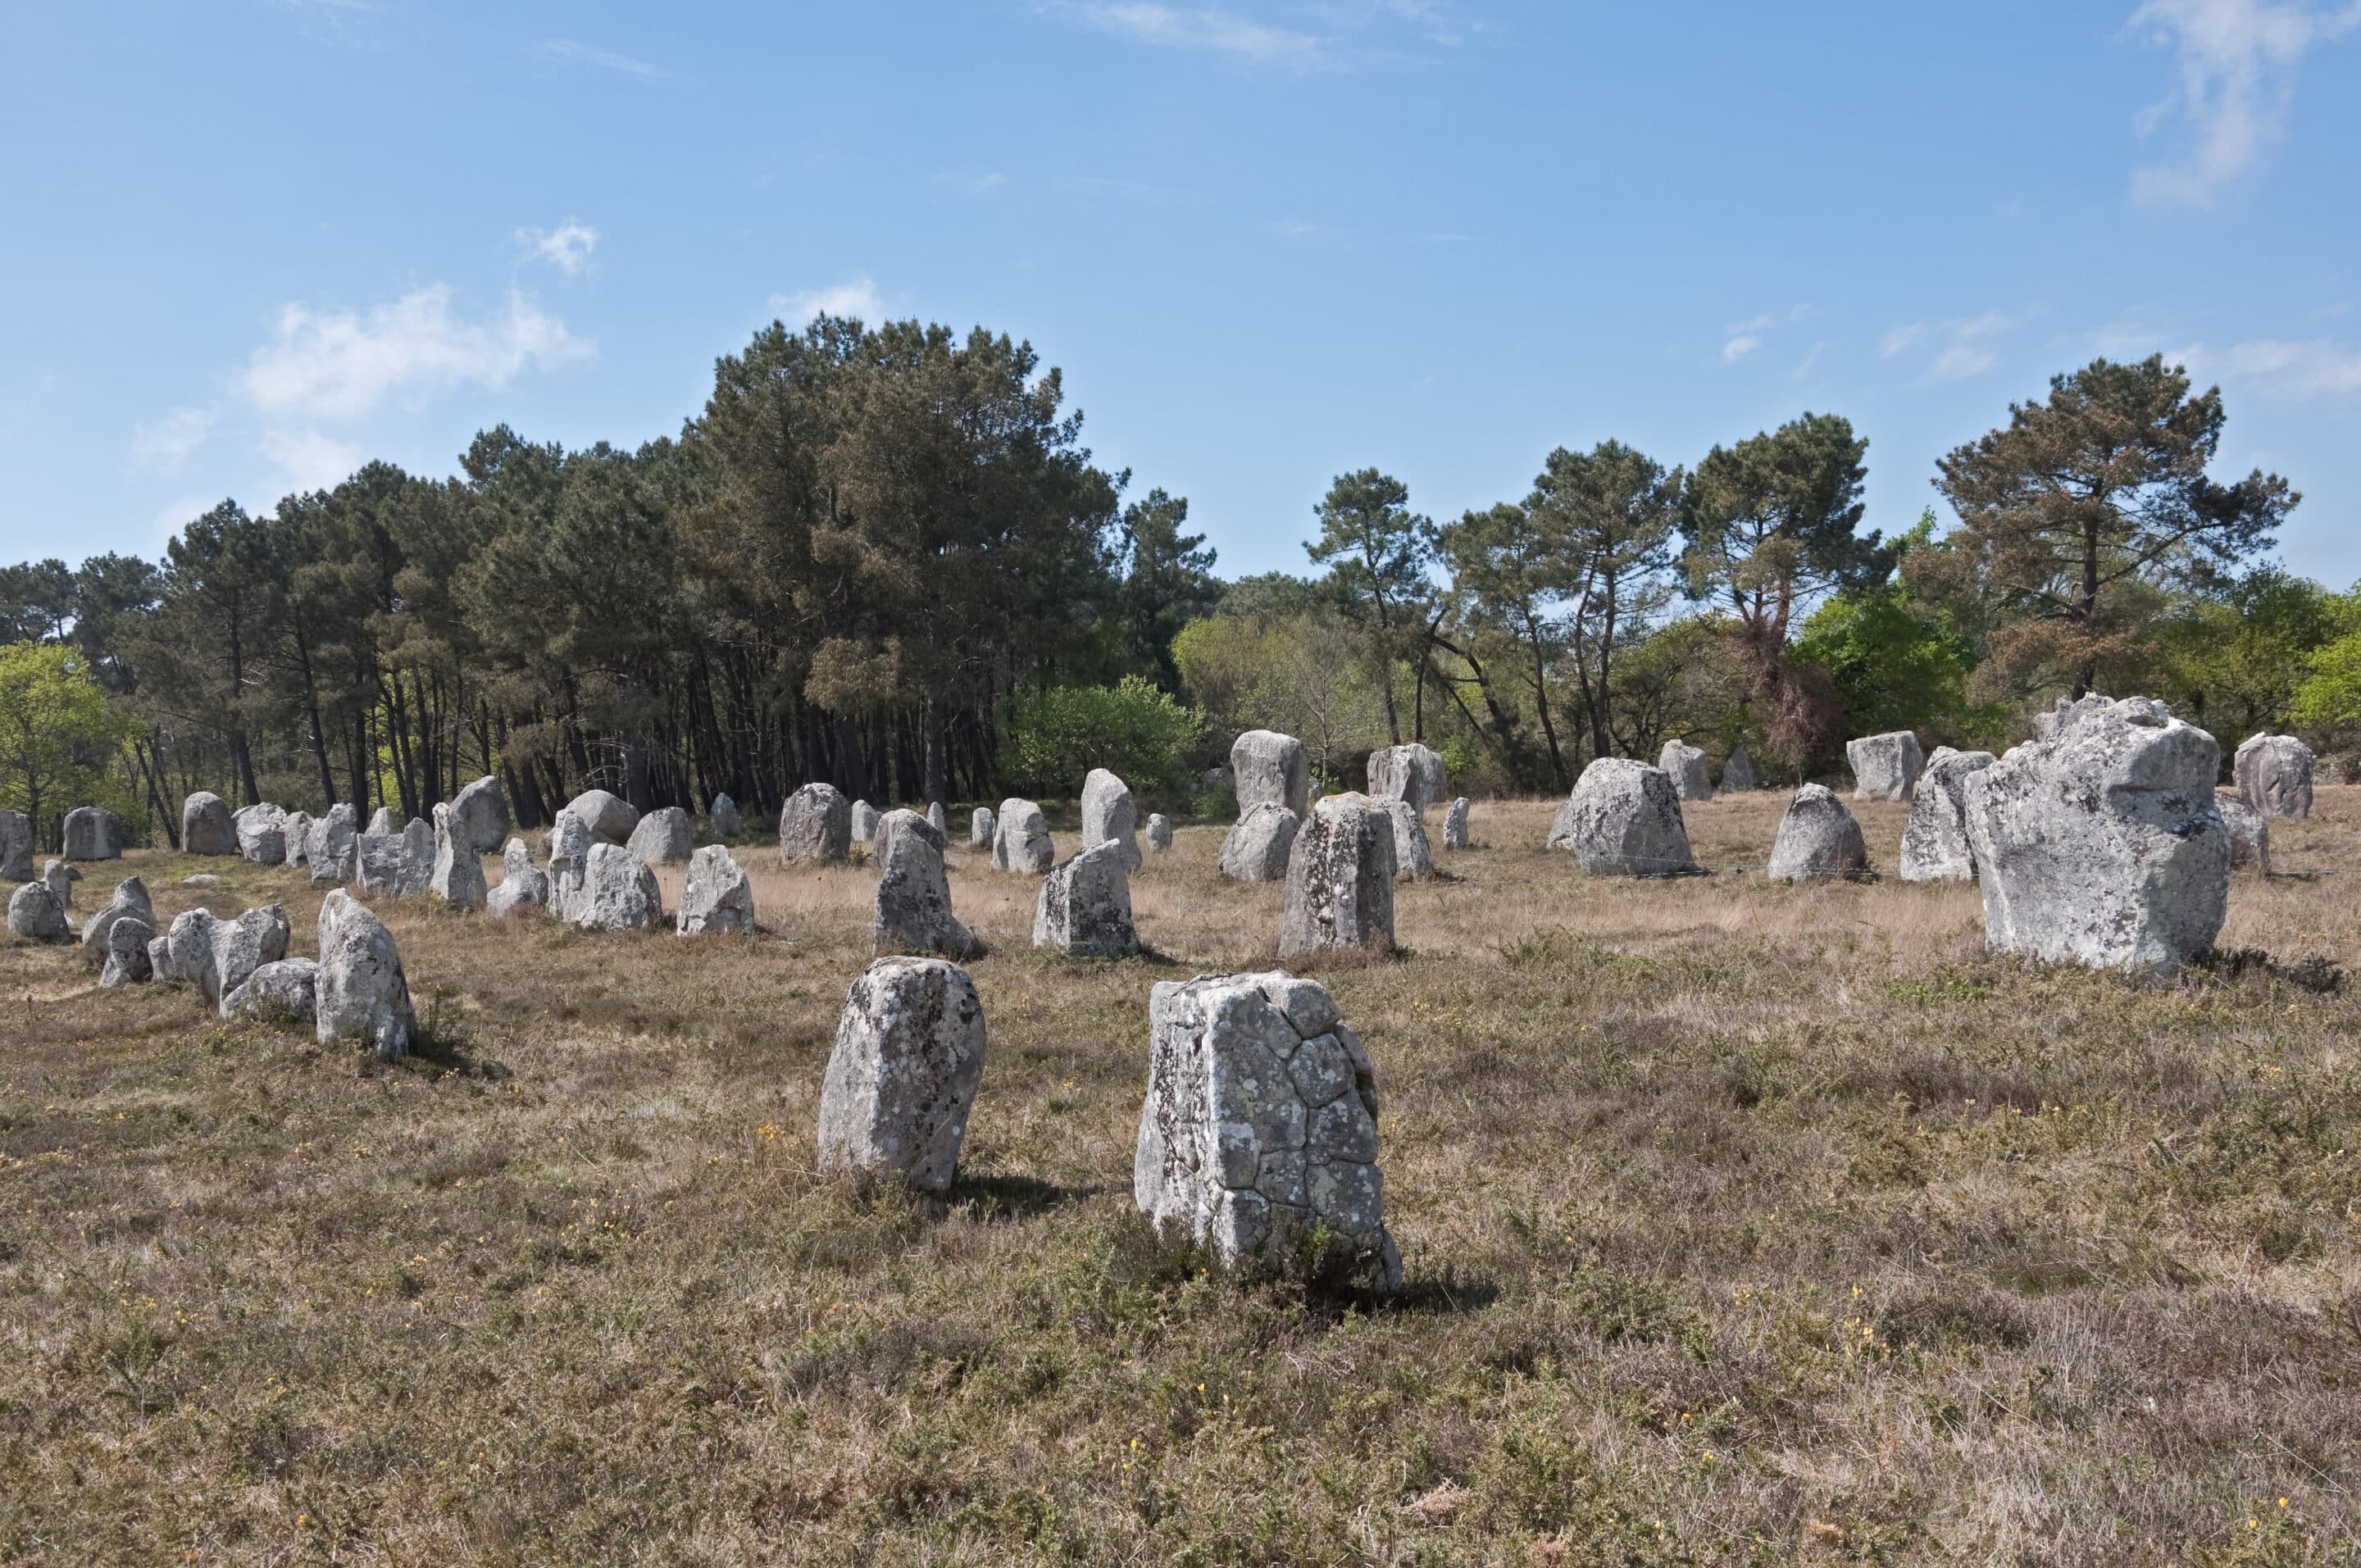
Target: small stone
<point>721,816</point>
<point>242,946</point>
<point>1685,765</point>
<point>383,820</point>
<point>92,833</point>
<point>482,808</point>
<point>569,862</point>
<point>1109,816</point>
<point>1159,833</point>
<point>16,847</point>
<point>1259,847</point>
<point>35,913</point>
<point>610,817</point>
<point>1454,824</point>
<point>1020,841</point>
<point>298,829</point>
<point>126,952</point>
<point>2250,834</point>
<point>2274,774</point>
<point>1340,879</point>
<point>459,876</point>
<point>522,885</point>
<point>1817,837</point>
<point>1413,857</point>
<point>864,822</point>
<point>1410,772</point>
<point>189,950</point>
<point>416,874</point>
<point>206,826</point>
<point>815,826</point>
<point>336,846</point>
<point>1886,767</point>
<point>60,876</point>
<point>286,992</point>
<point>262,834</point>
<point>1738,771</point>
<point>910,1054</point>
<point>1935,845</point>
<point>716,900</point>
<point>980,824</point>
<point>1267,766</point>
<point>618,893</point>
<point>913,909</point>
<point>202,878</point>
<point>1624,819</point>
<point>1084,908</point>
<point>939,820</point>
<point>360,991</point>
<point>665,837</point>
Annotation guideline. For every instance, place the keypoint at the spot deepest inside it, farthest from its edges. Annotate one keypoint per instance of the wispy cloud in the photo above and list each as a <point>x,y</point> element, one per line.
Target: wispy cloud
<point>971,184</point>
<point>308,460</point>
<point>345,364</point>
<point>1211,31</point>
<point>2315,369</point>
<point>857,298</point>
<point>1742,338</point>
<point>1809,360</point>
<point>2237,71</point>
<point>329,20</point>
<point>1898,339</point>
<point>1967,344</point>
<point>567,51</point>
<point>162,447</point>
<point>567,248</point>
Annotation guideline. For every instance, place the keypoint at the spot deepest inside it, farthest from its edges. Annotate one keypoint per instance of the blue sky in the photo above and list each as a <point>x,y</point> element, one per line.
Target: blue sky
<point>246,244</point>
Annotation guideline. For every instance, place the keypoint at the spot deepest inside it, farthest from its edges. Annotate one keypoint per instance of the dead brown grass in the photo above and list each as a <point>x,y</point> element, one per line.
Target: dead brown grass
<point>1744,1224</point>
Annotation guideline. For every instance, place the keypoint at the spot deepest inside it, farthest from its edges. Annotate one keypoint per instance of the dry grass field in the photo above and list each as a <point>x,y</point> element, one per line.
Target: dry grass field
<point>1743,1224</point>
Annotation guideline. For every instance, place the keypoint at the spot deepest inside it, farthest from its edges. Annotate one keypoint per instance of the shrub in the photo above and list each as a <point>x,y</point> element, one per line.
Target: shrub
<point>1052,738</point>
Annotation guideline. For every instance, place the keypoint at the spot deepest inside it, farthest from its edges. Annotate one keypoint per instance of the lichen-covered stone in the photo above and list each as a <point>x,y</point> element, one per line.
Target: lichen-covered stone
<point>1340,879</point>
<point>939,820</point>
<point>980,824</point>
<point>360,991</point>
<point>913,911</point>
<point>262,834</point>
<point>1454,824</point>
<point>665,837</point>
<point>1624,819</point>
<point>1269,767</point>
<point>910,1054</point>
<point>334,847</point>
<point>522,885</point>
<point>126,952</point>
<point>35,913</point>
<point>609,817</point>
<point>16,847</point>
<point>482,809</point>
<point>569,862</point>
<point>92,833</point>
<point>60,876</point>
<point>617,893</point>
<point>722,817</point>
<point>1817,837</point>
<point>1886,767</point>
<point>865,819</point>
<point>1413,856</point>
<point>1259,847</point>
<point>1685,765</point>
<point>1110,816</point>
<point>1020,839</point>
<point>1159,833</point>
<point>815,827</point>
<point>1935,845</point>
<point>1410,773</point>
<point>286,991</point>
<point>458,876</point>
<point>242,946</point>
<point>1085,907</point>
<point>2250,835</point>
<point>206,826</point>
<point>2273,774</point>
<point>1738,771</point>
<point>716,900</point>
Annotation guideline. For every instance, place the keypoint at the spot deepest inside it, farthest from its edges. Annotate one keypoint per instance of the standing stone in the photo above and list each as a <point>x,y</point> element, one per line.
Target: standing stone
<point>1886,767</point>
<point>1817,837</point>
<point>206,826</point>
<point>2250,835</point>
<point>382,820</point>
<point>130,901</point>
<point>617,893</point>
<point>360,992</point>
<point>980,824</point>
<point>722,818</point>
<point>188,949</point>
<point>2099,843</point>
<point>262,834</point>
<point>716,900</point>
<point>522,883</point>
<point>60,876</point>
<point>610,817</point>
<point>378,864</point>
<point>418,845</point>
<point>939,820</point>
<point>815,826</point>
<point>35,913</point>
<point>1259,847</point>
<point>1685,765</point>
<point>1454,824</point>
<point>1260,1127</point>
<point>1159,833</point>
<point>131,894</point>
<point>1109,817</point>
<point>908,1057</point>
<point>912,912</point>
<point>482,808</point>
<point>1413,857</point>
<point>1340,879</point>
<point>1409,772</point>
<point>1624,819</point>
<point>570,864</point>
<point>16,847</point>
<point>299,828</point>
<point>287,989</point>
<point>1738,771</point>
<point>2274,774</point>
<point>1020,841</point>
<point>1084,910</point>
<point>864,822</point>
<point>459,876</point>
<point>1935,840</point>
<point>92,833</point>
<point>126,952</point>
<point>242,946</point>
<point>335,848</point>
<point>663,836</point>
<point>1265,766</point>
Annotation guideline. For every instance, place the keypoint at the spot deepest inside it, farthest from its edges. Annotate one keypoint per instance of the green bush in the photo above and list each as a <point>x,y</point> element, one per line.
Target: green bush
<point>1050,739</point>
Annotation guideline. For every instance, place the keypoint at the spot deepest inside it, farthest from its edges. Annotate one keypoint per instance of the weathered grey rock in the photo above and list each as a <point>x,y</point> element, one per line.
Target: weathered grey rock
<point>1624,819</point>
<point>482,808</point>
<point>16,847</point>
<point>570,864</point>
<point>1109,816</point>
<point>35,913</point>
<point>383,820</point>
<point>864,822</point>
<point>912,912</point>
<point>130,900</point>
<point>1454,824</point>
<point>262,834</point>
<point>1159,833</point>
<point>1886,767</point>
<point>938,819</point>
<point>1261,1126</point>
<point>131,894</point>
<point>242,946</point>
<point>336,846</point>
<point>1259,847</point>
<point>287,990</point>
<point>188,949</point>
<point>206,826</point>
<point>417,874</point>
<point>716,900</point>
<point>2250,835</point>
<point>980,824</point>
<point>1817,837</point>
<point>1685,765</point>
<point>910,1053</point>
<point>202,878</point>
<point>2273,774</point>
<point>360,992</point>
<point>1020,839</point>
<point>459,876</point>
<point>299,828</point>
<point>92,833</point>
<point>160,956</point>
<point>60,876</point>
<point>722,818</point>
<point>378,864</point>
<point>815,826</point>
<point>665,837</point>
<point>126,952</point>
<point>610,817</point>
<point>1340,879</point>
<point>1738,771</point>
<point>1935,840</point>
<point>1413,857</point>
<point>1409,772</point>
<point>523,884</point>
<point>1084,909</point>
<point>2099,842</point>
<point>1268,766</point>
<point>618,893</point>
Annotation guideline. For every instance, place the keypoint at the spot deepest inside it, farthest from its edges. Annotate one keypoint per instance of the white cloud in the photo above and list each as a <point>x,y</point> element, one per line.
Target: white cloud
<point>308,460</point>
<point>1809,360</point>
<point>2237,71</point>
<point>162,447</point>
<point>1740,346</point>
<point>566,52</point>
<point>567,248</point>
<point>857,298</point>
<point>2315,369</point>
<point>1967,344</point>
<point>177,513</point>
<point>1901,338</point>
<point>1742,338</point>
<point>343,364</point>
<point>1960,361</point>
<point>1217,32</point>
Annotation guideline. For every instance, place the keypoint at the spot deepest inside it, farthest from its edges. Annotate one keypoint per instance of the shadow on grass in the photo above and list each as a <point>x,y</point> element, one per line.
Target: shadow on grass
<point>1437,1295</point>
<point>1017,1197</point>
<point>2316,974</point>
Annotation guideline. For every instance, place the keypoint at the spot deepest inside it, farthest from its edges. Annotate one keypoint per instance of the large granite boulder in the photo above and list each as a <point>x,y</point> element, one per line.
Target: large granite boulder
<point>1886,767</point>
<point>665,837</point>
<point>16,847</point>
<point>1020,839</point>
<point>360,992</point>
<point>262,834</point>
<point>1817,837</point>
<point>35,913</point>
<point>286,992</point>
<point>912,912</point>
<point>616,891</point>
<point>130,900</point>
<point>865,819</point>
<point>1409,772</point>
<point>459,876</point>
<point>1624,819</point>
<point>336,846</point>
<point>1259,847</point>
<point>383,820</point>
<point>127,961</point>
<point>980,824</point>
<point>2098,842</point>
<point>1935,840</point>
<point>60,876</point>
<point>418,848</point>
<point>2274,774</point>
<point>482,808</point>
<point>1413,856</point>
<point>722,818</point>
<point>1738,771</point>
<point>522,885</point>
<point>187,952</point>
<point>1265,766</point>
<point>1340,879</point>
<point>569,862</point>
<point>908,1057</point>
<point>242,946</point>
<point>717,899</point>
<point>1454,824</point>
<point>1259,1132</point>
<point>1685,765</point>
<point>2250,835</point>
<point>92,833</point>
<point>610,817</point>
<point>1110,816</point>
<point>815,826</point>
<point>1084,909</point>
<point>206,826</point>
